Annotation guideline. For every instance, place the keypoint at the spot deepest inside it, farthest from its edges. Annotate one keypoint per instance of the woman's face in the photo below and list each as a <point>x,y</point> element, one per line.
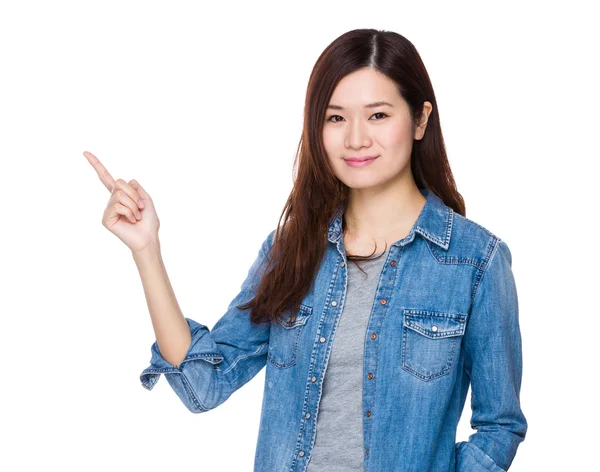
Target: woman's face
<point>358,124</point>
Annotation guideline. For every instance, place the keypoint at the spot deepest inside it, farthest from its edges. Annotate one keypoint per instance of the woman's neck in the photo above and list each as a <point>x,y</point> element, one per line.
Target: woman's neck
<point>379,215</point>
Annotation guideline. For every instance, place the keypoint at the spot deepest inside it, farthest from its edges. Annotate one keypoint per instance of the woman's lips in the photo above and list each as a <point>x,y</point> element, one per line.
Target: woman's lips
<point>360,163</point>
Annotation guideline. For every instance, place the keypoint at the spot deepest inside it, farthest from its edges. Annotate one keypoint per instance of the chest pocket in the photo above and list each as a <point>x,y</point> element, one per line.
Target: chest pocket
<point>285,336</point>
<point>430,341</point>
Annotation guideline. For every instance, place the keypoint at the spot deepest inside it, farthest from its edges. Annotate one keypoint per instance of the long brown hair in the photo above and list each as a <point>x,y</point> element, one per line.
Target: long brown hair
<point>300,243</point>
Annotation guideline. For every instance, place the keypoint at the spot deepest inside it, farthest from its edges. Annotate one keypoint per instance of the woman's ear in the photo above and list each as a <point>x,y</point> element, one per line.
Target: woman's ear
<point>420,130</point>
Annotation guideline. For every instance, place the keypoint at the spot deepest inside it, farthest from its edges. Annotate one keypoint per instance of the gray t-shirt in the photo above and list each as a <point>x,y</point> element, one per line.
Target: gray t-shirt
<point>339,440</point>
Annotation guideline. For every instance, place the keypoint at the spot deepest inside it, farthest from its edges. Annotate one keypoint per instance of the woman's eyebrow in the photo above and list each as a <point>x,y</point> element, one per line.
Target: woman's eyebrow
<point>370,105</point>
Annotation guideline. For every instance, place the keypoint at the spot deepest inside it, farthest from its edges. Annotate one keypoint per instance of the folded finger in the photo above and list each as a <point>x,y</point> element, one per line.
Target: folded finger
<point>136,185</point>
<point>132,193</point>
<point>125,211</point>
<point>123,198</point>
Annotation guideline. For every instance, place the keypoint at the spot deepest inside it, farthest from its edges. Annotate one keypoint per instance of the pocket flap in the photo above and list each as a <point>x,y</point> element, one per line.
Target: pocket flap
<point>435,324</point>
<point>285,319</point>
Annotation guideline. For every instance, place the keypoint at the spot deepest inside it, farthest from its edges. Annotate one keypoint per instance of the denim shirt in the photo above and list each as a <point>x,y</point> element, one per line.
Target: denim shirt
<point>445,316</point>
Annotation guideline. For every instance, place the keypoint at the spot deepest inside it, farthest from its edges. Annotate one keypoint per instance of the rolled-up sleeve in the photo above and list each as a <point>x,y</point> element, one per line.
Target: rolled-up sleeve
<point>221,360</point>
<point>493,361</point>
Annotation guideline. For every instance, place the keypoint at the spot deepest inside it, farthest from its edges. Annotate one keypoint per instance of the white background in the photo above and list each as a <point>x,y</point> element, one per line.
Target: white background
<point>203,105</point>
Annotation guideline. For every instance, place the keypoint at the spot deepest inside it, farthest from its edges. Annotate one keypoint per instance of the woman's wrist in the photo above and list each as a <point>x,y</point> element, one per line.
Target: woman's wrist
<point>150,251</point>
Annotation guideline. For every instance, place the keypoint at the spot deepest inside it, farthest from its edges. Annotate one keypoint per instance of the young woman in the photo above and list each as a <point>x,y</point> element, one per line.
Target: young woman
<point>369,359</point>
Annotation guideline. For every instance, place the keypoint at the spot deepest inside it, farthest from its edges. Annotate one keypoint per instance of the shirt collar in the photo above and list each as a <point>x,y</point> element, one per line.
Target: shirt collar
<point>434,222</point>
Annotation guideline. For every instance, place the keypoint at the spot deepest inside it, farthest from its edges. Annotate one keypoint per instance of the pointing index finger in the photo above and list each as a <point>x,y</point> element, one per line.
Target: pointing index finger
<point>103,174</point>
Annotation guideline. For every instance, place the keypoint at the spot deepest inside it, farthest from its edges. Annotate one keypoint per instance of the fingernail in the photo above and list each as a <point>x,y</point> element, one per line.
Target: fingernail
<point>141,203</point>
<point>139,215</point>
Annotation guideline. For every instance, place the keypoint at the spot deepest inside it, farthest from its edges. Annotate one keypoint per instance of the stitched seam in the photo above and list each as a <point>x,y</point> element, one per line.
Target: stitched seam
<point>240,357</point>
<point>191,394</point>
<point>486,264</point>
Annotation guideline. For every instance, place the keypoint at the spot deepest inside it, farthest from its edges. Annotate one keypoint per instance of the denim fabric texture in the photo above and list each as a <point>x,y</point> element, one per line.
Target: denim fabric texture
<point>444,316</point>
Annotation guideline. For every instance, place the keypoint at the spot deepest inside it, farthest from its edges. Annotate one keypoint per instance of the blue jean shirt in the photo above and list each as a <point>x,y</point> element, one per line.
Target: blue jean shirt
<point>445,316</point>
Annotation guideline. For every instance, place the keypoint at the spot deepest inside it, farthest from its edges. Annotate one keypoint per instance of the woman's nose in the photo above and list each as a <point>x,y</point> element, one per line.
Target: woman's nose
<point>358,136</point>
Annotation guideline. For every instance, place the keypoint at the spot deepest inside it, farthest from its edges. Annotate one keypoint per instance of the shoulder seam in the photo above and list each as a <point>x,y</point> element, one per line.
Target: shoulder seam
<point>493,245</point>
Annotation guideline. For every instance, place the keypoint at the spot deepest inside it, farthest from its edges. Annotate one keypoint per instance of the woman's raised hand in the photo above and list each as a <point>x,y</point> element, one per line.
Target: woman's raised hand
<point>130,212</point>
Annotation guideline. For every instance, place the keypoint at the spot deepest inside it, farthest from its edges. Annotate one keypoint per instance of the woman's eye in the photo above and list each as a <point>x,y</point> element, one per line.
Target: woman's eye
<point>380,113</point>
<point>338,116</point>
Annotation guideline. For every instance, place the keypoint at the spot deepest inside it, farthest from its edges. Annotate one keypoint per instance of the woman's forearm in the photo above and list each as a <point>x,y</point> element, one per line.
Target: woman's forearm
<point>170,327</point>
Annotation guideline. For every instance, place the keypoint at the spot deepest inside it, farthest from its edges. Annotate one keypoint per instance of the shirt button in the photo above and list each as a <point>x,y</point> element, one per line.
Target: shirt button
<point>434,328</point>
<point>370,376</point>
<point>343,264</point>
<point>322,339</point>
<point>368,414</point>
<point>301,453</point>
<point>383,301</point>
<point>308,415</point>
<point>367,452</point>
<point>373,335</point>
<point>334,303</point>
<point>314,379</point>
<point>393,263</point>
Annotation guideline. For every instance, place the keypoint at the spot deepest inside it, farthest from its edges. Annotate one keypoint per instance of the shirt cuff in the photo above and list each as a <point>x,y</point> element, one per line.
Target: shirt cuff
<point>201,348</point>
